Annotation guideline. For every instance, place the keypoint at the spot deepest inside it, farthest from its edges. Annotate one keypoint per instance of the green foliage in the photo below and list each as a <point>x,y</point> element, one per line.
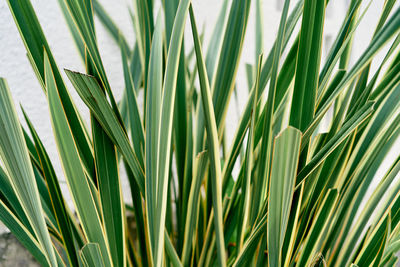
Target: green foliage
<point>300,196</point>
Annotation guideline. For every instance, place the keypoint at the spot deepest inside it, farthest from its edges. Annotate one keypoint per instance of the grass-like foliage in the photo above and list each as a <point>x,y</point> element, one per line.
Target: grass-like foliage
<point>298,195</point>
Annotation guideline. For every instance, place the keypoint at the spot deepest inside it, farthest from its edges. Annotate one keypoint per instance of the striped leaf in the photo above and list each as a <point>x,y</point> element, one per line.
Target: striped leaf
<point>94,97</point>
<point>14,155</point>
<point>77,181</point>
<point>214,154</point>
<point>91,255</point>
<point>283,174</point>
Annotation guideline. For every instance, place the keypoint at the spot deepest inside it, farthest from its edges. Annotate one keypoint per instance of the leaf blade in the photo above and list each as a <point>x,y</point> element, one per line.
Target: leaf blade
<point>284,167</point>
<point>14,154</point>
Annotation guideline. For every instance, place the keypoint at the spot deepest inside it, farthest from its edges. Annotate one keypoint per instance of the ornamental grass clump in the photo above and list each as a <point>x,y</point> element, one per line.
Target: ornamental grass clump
<point>300,195</point>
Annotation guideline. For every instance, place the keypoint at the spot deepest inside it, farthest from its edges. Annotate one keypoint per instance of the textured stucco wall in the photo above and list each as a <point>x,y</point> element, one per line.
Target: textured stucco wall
<point>12,253</point>
<point>26,90</point>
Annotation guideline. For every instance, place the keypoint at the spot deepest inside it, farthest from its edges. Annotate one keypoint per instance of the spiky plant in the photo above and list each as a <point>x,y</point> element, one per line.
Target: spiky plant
<point>300,195</point>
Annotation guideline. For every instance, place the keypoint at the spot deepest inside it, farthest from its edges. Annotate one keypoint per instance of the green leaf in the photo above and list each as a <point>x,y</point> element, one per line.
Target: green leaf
<point>170,8</point>
<point>298,199</point>
<point>144,27</point>
<point>371,252</point>
<point>110,193</point>
<point>383,195</point>
<point>260,29</point>
<point>223,81</point>
<point>282,182</point>
<point>138,210</point>
<point>345,58</point>
<point>22,234</point>
<point>251,243</point>
<point>180,123</point>
<point>82,14</point>
<point>77,181</point>
<point>36,46</point>
<point>15,157</point>
<point>213,144</point>
<point>10,199</point>
<point>380,39</point>
<point>265,74</point>
<point>200,167</point>
<point>59,206</point>
<point>165,126</point>
<point>317,234</point>
<point>343,38</point>
<point>137,132</point>
<point>215,42</point>
<point>308,61</point>
<point>360,165</point>
<point>335,141</point>
<point>292,226</point>
<point>262,180</point>
<point>153,115</point>
<point>93,96</point>
<point>244,203</point>
<point>91,255</point>
<point>171,252</point>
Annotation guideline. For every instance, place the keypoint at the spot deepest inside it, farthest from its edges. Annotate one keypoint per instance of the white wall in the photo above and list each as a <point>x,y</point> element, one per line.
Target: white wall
<point>26,90</point>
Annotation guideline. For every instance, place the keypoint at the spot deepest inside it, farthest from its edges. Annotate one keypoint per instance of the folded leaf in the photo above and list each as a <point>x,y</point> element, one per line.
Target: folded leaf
<point>91,93</point>
<point>77,181</point>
